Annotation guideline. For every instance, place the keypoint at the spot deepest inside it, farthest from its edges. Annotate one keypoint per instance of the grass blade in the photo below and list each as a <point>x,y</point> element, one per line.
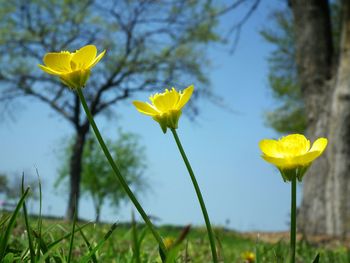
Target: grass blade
<point>4,219</point>
<point>41,246</point>
<point>186,257</point>
<point>57,241</point>
<point>86,258</point>
<point>40,203</point>
<point>93,256</point>
<point>5,238</point>
<point>25,213</point>
<point>51,246</point>
<point>72,237</point>
<point>136,242</point>
<point>317,258</point>
<point>174,247</point>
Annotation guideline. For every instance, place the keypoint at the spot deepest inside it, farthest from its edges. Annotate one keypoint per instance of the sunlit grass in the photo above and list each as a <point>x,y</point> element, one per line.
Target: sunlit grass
<point>116,243</point>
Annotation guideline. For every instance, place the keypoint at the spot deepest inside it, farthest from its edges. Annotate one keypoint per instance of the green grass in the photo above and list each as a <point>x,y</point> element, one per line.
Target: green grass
<point>25,238</point>
<point>91,243</point>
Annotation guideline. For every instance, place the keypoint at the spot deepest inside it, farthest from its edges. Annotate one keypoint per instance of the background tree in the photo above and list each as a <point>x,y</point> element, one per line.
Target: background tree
<point>322,44</point>
<point>3,184</point>
<point>150,45</point>
<point>289,116</point>
<point>11,189</point>
<point>98,180</point>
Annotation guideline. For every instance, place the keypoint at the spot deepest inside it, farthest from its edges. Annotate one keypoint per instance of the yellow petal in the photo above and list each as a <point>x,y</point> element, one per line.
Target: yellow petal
<point>171,98</point>
<point>166,101</point>
<point>293,138</point>
<point>185,97</point>
<point>306,159</point>
<point>145,108</point>
<point>97,59</point>
<point>59,62</point>
<point>292,152</point>
<point>83,57</point>
<point>319,145</point>
<point>270,148</point>
<point>279,162</point>
<point>294,145</point>
<point>48,70</point>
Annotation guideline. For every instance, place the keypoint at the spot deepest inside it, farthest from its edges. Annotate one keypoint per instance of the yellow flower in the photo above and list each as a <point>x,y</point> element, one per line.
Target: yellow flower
<point>248,257</point>
<point>166,107</point>
<point>72,68</point>
<point>169,242</point>
<point>292,154</point>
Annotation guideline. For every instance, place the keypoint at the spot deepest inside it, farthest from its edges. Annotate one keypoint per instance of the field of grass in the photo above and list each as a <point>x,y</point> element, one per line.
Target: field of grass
<point>50,241</point>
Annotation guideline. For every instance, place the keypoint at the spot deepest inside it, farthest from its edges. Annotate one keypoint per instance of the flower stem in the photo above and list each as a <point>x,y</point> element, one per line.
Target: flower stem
<point>293,219</point>
<point>117,172</point>
<point>199,195</point>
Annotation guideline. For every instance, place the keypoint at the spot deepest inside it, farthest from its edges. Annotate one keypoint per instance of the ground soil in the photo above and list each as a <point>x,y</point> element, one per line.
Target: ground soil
<point>319,240</point>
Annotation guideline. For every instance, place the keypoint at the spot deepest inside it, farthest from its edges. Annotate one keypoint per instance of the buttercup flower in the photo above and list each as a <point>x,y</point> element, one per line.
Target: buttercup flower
<point>72,68</point>
<point>166,107</point>
<point>169,242</point>
<point>248,257</point>
<point>292,154</point>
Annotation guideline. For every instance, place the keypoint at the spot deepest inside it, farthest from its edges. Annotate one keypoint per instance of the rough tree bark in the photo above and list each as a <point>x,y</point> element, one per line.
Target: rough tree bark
<point>325,83</point>
<point>338,183</point>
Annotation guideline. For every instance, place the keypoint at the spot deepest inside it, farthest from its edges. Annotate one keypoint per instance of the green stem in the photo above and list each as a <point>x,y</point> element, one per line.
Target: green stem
<point>199,195</point>
<point>117,172</point>
<point>293,209</point>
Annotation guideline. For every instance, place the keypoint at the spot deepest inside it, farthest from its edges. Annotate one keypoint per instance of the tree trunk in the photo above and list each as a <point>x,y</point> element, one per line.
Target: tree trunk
<point>314,52</point>
<point>75,172</point>
<point>98,212</point>
<point>325,207</point>
<point>338,183</point>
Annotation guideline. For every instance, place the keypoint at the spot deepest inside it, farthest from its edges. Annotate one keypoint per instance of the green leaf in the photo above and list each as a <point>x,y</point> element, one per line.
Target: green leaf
<point>9,258</point>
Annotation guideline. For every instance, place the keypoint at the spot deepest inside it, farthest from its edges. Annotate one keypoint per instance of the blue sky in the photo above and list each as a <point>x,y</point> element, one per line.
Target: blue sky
<point>237,185</point>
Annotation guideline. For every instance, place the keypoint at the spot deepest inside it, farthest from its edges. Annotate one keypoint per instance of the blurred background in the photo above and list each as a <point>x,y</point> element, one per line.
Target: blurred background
<point>242,58</point>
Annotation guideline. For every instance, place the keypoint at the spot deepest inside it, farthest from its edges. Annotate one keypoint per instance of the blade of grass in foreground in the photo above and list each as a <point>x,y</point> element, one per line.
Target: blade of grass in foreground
<point>72,237</point>
<point>257,250</point>
<point>87,258</point>
<point>5,238</point>
<point>39,226</point>
<point>41,246</point>
<point>40,202</point>
<point>29,231</point>
<point>4,219</point>
<point>51,246</point>
<point>317,258</point>
<point>57,241</point>
<point>136,242</point>
<point>93,256</point>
